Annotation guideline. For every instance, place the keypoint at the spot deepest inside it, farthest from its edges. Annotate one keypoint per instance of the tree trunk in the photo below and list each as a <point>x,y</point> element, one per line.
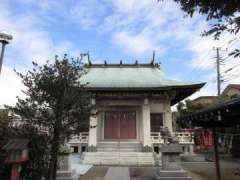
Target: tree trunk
<point>54,156</point>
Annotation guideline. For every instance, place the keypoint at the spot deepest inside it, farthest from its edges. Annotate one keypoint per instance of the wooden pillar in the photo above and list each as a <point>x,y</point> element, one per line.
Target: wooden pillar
<point>146,123</point>
<point>216,155</point>
<point>93,127</point>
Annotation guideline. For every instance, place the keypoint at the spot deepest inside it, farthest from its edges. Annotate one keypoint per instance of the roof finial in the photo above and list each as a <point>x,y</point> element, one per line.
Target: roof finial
<point>153,58</point>
<point>88,57</point>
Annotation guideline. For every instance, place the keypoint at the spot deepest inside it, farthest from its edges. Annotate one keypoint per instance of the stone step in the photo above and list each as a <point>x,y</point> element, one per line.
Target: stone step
<point>139,154</point>
<point>111,149</point>
<point>115,146</point>
<point>122,158</point>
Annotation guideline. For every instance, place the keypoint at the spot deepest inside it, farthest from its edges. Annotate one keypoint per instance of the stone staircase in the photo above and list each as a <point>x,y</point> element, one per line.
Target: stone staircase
<point>119,158</point>
<point>119,153</point>
<point>119,146</point>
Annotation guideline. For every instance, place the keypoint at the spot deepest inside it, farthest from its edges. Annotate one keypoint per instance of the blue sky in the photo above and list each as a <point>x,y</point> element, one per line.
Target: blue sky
<point>111,30</point>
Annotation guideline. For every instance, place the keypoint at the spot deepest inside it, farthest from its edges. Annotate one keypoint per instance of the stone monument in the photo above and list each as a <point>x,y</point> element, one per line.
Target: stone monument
<point>64,172</point>
<point>171,169</point>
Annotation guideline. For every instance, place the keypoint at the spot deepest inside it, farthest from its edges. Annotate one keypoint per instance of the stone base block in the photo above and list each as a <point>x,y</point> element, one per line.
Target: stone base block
<point>172,175</point>
<point>64,175</point>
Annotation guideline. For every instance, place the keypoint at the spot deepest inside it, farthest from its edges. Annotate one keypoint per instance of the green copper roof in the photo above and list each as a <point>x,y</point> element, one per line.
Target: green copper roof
<point>128,77</point>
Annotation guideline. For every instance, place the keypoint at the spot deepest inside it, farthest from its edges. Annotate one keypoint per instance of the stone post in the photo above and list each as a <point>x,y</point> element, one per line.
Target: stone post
<point>168,121</point>
<point>146,125</point>
<point>168,116</point>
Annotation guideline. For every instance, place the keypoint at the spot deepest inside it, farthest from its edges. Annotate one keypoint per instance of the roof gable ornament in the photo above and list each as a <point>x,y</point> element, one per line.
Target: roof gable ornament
<point>88,57</point>
<point>153,58</point>
<point>152,64</point>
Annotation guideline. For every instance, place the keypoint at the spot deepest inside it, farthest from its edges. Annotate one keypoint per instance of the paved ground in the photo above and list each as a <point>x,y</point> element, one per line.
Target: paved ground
<point>76,166</point>
<point>198,171</point>
<point>206,171</point>
<point>95,173</point>
<point>117,173</point>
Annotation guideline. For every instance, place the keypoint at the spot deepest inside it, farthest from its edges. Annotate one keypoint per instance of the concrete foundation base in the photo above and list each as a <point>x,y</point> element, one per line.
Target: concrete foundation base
<point>172,175</point>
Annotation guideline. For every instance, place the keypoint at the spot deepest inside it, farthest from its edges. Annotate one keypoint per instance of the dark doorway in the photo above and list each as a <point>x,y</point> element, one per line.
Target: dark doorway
<point>75,149</point>
<point>156,122</point>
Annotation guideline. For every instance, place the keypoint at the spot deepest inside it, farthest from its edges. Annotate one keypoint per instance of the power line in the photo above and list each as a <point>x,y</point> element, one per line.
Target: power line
<point>196,69</point>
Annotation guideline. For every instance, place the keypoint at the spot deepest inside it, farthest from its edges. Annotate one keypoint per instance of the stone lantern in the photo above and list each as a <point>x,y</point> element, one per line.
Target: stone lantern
<point>17,154</point>
<point>171,168</point>
<point>64,171</point>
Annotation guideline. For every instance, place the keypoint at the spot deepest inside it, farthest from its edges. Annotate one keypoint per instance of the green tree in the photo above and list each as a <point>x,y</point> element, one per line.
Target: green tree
<point>188,107</point>
<point>223,16</point>
<point>56,100</point>
<point>4,134</point>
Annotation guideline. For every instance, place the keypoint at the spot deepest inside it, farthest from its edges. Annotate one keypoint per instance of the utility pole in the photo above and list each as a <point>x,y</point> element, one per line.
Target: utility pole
<point>218,72</point>
<point>4,40</point>
<point>215,137</point>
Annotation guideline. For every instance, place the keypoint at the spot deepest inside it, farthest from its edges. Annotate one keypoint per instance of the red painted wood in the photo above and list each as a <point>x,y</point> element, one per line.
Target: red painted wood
<point>120,125</point>
<point>15,174</point>
<point>132,125</point>
<point>123,125</point>
<point>111,125</point>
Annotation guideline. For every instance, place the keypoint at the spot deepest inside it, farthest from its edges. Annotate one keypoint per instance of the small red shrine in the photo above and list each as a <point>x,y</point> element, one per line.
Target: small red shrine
<point>17,150</point>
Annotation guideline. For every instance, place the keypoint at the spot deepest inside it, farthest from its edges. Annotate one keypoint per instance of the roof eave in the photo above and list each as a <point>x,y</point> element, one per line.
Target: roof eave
<point>184,90</point>
<point>175,87</point>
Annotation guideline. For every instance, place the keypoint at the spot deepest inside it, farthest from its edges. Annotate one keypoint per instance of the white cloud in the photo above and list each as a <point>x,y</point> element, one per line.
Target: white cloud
<point>151,22</point>
<point>135,44</point>
<point>31,42</point>
<point>88,13</point>
<point>10,86</point>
